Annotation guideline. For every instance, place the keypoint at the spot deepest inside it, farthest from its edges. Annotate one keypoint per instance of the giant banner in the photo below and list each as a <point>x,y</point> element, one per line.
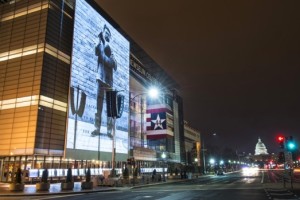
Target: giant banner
<point>100,62</point>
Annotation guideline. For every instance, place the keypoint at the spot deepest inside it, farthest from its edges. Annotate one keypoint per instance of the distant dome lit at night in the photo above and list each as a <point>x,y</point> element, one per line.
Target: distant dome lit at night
<point>260,148</point>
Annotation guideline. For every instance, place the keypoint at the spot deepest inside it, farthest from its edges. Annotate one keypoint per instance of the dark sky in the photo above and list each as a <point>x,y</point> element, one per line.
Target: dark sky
<point>238,62</point>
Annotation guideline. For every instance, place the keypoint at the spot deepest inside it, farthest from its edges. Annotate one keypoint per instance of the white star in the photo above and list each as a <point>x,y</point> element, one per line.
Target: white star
<point>158,122</point>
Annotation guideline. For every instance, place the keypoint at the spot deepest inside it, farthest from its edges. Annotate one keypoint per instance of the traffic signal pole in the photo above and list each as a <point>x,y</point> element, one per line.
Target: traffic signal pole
<point>113,155</point>
<point>288,145</point>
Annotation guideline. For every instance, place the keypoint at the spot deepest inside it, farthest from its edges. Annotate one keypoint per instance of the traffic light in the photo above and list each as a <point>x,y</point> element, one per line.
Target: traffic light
<point>120,105</point>
<point>114,104</point>
<point>280,140</point>
<point>290,144</point>
<point>111,103</point>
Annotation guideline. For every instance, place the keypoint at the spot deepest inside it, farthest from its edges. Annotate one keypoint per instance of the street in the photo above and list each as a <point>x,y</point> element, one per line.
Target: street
<point>229,186</point>
<point>238,185</point>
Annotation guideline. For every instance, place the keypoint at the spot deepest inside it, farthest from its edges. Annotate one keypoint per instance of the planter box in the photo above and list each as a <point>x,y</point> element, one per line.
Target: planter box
<point>67,186</point>
<point>42,186</point>
<point>16,187</point>
<point>113,182</point>
<point>87,185</point>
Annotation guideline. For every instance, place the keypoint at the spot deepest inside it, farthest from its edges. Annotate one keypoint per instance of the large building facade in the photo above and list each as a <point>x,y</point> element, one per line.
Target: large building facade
<point>57,61</point>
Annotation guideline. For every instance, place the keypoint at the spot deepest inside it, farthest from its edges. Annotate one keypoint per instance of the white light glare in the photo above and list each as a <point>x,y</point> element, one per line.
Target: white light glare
<point>153,92</point>
<point>250,171</point>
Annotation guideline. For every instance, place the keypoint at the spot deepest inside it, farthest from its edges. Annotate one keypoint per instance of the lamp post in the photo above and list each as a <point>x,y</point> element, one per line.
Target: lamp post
<point>196,165</point>
<point>152,93</point>
<point>163,156</point>
<point>203,153</point>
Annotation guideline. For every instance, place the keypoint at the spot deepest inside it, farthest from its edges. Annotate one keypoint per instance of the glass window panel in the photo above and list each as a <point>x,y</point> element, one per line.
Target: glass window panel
<point>31,134</point>
<point>21,120</point>
<point>19,140</point>
<point>19,131</point>
<point>11,80</point>
<point>24,109</point>
<point>6,116</point>
<point>21,114</point>
<point>6,123</point>
<point>15,51</point>
<point>22,94</point>
<point>6,131</point>
<point>5,136</point>
<point>30,41</point>
<point>28,59</point>
<point>30,139</point>
<point>10,87</point>
<point>31,128</point>
<point>28,79</point>
<point>24,84</point>
<point>12,73</point>
<point>4,142</point>
<point>11,63</point>
<point>29,145</point>
<point>18,146</point>
<point>27,75</point>
<point>9,92</point>
<point>9,96</point>
<point>16,136</point>
<point>7,111</point>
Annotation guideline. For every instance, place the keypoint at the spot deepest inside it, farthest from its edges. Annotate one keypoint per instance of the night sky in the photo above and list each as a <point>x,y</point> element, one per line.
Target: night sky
<point>237,62</point>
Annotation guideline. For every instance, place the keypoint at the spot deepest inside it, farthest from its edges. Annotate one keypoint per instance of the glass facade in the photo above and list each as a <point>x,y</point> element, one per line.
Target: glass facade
<point>36,49</point>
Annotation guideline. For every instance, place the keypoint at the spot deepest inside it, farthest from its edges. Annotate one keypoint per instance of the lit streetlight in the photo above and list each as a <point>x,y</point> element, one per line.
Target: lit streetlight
<point>163,156</point>
<point>153,94</point>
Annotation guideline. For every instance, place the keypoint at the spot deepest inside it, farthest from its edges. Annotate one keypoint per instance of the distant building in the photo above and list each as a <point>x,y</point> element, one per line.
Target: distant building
<point>261,155</point>
<point>192,143</point>
<point>260,148</point>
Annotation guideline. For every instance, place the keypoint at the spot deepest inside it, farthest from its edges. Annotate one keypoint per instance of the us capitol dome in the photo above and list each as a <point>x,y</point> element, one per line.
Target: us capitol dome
<point>260,148</point>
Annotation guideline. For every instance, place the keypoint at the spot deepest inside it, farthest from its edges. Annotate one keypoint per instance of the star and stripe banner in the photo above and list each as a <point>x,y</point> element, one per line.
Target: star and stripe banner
<point>157,119</point>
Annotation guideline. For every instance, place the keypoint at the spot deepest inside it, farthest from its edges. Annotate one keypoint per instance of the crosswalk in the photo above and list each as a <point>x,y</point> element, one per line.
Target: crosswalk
<point>281,194</point>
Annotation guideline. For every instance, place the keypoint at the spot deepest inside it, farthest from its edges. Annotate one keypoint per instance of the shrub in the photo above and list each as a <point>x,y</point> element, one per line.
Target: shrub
<point>126,173</point>
<point>45,176</point>
<point>69,176</point>
<point>113,173</point>
<point>135,172</point>
<point>18,178</point>
<point>88,175</point>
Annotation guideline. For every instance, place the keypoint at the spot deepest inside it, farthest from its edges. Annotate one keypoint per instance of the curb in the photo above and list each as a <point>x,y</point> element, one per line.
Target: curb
<point>20,194</point>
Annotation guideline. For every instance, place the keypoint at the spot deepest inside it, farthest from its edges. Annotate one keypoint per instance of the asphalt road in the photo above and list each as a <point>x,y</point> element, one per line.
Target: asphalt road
<point>227,187</point>
<point>235,186</point>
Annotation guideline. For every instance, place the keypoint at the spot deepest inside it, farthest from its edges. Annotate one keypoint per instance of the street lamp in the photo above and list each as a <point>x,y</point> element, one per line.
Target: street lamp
<point>152,93</point>
<point>163,156</point>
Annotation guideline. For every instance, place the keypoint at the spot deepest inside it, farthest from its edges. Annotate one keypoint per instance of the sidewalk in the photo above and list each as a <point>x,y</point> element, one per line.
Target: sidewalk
<point>30,190</point>
<point>275,189</point>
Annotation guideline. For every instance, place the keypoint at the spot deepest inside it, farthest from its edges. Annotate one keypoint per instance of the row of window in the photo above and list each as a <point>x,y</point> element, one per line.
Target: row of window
<point>21,9</point>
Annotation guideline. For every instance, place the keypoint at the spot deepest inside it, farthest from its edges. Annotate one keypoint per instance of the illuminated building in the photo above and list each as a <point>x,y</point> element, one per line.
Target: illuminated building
<point>260,148</point>
<point>52,92</point>
<point>192,140</point>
